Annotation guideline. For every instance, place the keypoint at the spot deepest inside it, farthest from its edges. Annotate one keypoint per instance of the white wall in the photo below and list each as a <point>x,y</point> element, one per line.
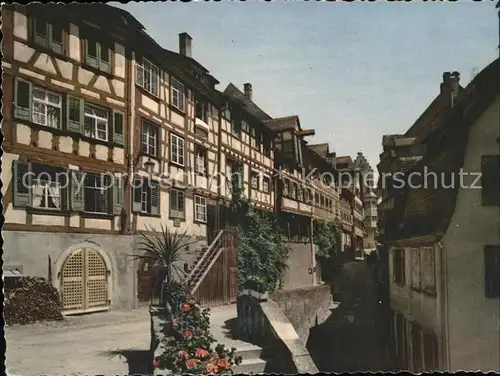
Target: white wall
<point>474,326</point>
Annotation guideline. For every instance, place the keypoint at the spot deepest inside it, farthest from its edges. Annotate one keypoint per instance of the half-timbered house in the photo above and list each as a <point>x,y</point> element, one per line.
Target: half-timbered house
<point>65,123</point>
<point>246,148</point>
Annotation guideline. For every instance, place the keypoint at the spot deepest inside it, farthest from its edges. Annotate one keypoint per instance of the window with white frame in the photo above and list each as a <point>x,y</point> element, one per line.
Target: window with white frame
<point>178,96</point>
<point>200,209</point>
<point>177,149</point>
<point>255,180</point>
<point>149,138</point>
<point>47,187</point>
<point>265,184</point>
<point>47,107</point>
<point>200,160</point>
<point>177,200</point>
<point>148,76</point>
<point>97,55</point>
<point>96,122</point>
<point>146,195</point>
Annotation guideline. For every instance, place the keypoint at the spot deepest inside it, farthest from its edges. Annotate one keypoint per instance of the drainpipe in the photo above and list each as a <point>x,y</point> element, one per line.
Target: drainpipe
<point>444,310</point>
<point>313,256</point>
<point>131,101</point>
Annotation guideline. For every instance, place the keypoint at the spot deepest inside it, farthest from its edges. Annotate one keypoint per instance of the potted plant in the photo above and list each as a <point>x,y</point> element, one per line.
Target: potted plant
<point>164,249</point>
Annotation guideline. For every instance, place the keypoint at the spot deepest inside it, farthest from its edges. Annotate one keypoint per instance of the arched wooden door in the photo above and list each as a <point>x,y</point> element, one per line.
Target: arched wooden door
<point>84,281</point>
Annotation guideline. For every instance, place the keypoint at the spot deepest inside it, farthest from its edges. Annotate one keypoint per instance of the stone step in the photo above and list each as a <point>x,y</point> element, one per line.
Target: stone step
<point>250,366</point>
<point>249,351</point>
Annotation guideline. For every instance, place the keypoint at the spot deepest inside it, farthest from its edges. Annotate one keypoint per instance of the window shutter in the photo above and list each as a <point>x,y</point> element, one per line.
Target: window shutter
<point>22,100</point>
<point>173,207</point>
<point>137,191</point>
<point>180,202</point>
<point>21,183</point>
<point>155,198</point>
<point>104,58</point>
<point>118,127</point>
<point>77,190</point>
<point>75,114</point>
<point>118,195</point>
<point>93,61</point>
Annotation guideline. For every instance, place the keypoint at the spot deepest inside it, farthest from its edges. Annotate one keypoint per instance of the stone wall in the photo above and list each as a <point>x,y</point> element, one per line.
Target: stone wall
<point>264,323</point>
<point>305,307</point>
<point>300,271</point>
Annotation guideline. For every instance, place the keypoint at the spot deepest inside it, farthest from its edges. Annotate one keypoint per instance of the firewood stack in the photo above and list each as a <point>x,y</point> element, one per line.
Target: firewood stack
<point>28,300</point>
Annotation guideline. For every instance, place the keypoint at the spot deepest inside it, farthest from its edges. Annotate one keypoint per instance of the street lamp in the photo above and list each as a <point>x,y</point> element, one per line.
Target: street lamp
<point>149,166</point>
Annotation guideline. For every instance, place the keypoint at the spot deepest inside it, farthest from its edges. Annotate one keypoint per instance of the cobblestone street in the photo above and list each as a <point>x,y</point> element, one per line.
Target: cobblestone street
<point>108,343</point>
<point>353,335</point>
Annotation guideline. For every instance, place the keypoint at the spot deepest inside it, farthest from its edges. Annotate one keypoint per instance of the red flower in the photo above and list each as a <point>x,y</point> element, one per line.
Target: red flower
<point>156,363</point>
<point>212,368</point>
<point>201,353</point>
<point>215,357</point>
<point>186,307</point>
<point>190,363</point>
<point>187,333</point>
<point>183,354</point>
<point>223,363</point>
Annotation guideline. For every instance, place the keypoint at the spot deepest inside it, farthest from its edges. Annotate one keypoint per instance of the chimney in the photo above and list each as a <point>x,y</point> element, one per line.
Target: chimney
<point>185,44</point>
<point>450,85</point>
<point>247,88</point>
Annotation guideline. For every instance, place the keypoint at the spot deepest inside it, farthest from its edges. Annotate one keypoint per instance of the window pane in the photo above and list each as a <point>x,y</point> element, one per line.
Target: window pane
<point>92,48</point>
<point>57,33</point>
<point>104,53</point>
<point>41,27</point>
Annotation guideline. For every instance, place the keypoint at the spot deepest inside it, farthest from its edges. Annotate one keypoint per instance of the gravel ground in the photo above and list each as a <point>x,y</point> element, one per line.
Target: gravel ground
<point>108,343</point>
<point>352,338</point>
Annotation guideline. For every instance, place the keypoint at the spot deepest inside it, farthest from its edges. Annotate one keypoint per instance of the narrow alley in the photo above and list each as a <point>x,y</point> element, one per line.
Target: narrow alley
<point>353,335</point>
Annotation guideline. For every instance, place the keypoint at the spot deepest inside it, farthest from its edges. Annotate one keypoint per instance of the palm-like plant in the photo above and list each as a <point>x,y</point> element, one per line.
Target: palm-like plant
<point>164,249</point>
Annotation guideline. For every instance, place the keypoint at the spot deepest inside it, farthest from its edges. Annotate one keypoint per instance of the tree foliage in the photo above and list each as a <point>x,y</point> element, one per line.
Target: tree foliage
<point>327,237</point>
<point>261,253</point>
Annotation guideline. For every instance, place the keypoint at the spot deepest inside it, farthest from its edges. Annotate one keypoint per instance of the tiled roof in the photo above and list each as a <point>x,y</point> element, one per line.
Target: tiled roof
<point>249,106</point>
<point>321,149</point>
<point>428,209</point>
<point>282,123</point>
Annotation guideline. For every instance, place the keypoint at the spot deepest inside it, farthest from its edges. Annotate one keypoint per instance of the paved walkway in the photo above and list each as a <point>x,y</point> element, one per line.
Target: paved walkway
<point>107,343</point>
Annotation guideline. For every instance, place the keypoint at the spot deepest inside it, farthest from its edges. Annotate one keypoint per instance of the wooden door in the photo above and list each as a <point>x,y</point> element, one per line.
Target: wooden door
<point>84,281</point>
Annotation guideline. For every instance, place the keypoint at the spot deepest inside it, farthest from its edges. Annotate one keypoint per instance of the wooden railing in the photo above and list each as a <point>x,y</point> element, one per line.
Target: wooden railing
<point>203,258</point>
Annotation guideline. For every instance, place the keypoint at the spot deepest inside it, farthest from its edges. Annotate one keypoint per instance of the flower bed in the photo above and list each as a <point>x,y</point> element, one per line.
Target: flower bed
<point>187,342</point>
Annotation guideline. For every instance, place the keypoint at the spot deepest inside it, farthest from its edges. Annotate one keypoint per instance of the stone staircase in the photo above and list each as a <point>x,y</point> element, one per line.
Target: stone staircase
<point>254,358</point>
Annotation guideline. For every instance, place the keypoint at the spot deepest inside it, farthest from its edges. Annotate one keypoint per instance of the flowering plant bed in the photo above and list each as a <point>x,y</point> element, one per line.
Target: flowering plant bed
<point>189,346</point>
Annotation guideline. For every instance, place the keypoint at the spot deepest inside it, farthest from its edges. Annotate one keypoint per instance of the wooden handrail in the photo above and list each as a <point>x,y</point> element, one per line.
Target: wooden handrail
<point>204,256</point>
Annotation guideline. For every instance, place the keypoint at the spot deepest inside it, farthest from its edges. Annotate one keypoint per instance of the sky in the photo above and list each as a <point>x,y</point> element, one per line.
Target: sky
<point>352,71</point>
